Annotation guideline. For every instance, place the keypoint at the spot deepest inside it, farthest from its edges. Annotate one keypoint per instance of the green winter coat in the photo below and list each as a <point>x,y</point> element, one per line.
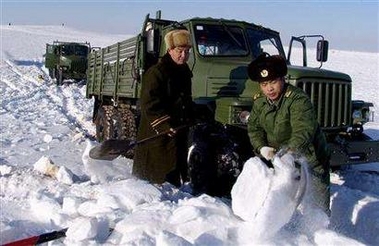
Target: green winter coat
<point>291,123</point>
<point>166,102</point>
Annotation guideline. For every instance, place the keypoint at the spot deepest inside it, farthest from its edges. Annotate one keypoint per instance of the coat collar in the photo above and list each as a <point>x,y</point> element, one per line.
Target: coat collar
<point>287,91</point>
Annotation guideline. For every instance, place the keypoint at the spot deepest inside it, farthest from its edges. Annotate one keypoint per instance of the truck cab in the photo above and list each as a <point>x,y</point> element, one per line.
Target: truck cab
<point>221,51</point>
<point>67,60</point>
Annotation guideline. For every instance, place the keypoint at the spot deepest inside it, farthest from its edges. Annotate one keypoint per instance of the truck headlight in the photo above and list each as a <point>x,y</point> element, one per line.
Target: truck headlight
<point>244,116</point>
<point>239,114</point>
<point>361,111</point>
<point>366,115</point>
<point>357,115</point>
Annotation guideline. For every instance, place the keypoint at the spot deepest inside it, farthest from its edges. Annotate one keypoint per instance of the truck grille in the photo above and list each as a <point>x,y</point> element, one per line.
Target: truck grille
<point>332,101</point>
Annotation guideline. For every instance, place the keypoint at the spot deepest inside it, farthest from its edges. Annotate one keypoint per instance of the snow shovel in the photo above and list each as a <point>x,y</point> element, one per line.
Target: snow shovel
<point>42,238</point>
<point>112,148</point>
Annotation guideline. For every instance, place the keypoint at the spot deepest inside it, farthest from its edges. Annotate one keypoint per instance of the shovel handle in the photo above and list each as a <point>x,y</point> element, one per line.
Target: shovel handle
<point>34,240</point>
<point>158,135</point>
<point>111,148</point>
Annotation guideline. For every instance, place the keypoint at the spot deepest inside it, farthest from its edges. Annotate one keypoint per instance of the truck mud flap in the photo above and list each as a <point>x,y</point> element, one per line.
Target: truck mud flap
<point>350,152</point>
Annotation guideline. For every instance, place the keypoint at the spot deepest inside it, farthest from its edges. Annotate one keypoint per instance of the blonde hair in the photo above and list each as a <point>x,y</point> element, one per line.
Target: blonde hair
<point>178,38</point>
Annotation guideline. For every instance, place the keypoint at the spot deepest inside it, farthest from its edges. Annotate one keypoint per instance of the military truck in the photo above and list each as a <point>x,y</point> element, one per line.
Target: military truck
<point>222,91</point>
<point>67,60</point>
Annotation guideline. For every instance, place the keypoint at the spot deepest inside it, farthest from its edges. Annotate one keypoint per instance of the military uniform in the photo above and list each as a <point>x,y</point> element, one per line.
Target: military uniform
<point>166,102</point>
<point>290,122</point>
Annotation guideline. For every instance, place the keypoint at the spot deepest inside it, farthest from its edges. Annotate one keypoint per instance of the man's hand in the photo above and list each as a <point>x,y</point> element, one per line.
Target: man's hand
<point>267,152</point>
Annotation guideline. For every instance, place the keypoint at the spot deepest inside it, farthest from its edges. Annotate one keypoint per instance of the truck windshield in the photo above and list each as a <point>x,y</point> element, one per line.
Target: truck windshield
<point>261,41</point>
<point>81,50</point>
<point>78,50</point>
<point>220,40</point>
<point>67,50</point>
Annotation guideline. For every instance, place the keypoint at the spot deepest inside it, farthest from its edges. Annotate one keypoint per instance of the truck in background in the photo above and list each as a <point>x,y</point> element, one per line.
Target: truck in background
<point>222,91</point>
<point>67,60</point>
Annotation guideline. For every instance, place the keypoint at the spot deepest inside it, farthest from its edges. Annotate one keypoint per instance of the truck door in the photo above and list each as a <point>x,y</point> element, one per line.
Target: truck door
<point>50,57</point>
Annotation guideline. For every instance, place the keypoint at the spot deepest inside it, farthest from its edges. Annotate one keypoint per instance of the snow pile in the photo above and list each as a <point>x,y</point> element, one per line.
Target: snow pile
<point>102,171</point>
<point>270,194</point>
<point>46,166</point>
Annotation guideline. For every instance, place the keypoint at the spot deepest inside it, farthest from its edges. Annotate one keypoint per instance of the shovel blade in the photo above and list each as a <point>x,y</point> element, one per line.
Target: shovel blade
<point>111,149</point>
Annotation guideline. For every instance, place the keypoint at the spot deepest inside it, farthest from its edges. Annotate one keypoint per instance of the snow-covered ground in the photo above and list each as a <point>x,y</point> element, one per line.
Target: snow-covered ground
<point>44,126</point>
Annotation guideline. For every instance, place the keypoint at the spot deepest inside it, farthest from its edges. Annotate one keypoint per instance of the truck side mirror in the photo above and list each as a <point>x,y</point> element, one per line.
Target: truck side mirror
<point>150,38</point>
<point>322,50</point>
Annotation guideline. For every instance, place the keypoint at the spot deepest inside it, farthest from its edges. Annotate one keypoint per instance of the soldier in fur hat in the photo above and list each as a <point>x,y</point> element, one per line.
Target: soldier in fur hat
<point>166,103</point>
<point>283,117</point>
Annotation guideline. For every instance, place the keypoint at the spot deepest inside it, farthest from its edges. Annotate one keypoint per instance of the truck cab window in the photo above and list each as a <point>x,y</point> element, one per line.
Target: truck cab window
<point>81,50</point>
<point>264,42</point>
<point>49,49</point>
<point>220,40</point>
<point>67,50</point>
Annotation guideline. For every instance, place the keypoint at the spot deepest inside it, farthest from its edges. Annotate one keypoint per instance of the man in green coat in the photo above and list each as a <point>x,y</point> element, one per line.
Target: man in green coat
<point>166,103</point>
<point>283,117</point>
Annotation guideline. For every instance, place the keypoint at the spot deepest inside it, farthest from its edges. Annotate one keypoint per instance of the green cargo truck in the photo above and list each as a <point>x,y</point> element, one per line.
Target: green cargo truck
<point>67,60</point>
<point>221,88</point>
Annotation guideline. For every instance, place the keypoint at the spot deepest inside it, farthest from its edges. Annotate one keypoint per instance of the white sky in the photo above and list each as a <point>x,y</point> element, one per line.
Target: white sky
<point>347,24</point>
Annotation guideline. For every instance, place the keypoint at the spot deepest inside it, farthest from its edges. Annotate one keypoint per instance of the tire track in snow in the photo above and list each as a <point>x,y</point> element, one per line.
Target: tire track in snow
<point>67,98</point>
<point>23,93</point>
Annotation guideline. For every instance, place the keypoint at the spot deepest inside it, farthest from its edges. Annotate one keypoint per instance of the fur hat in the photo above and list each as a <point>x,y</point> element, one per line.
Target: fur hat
<point>266,67</point>
<point>178,38</point>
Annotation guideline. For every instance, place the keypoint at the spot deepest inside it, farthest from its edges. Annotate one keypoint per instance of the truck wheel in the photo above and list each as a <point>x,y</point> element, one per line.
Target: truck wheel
<point>58,76</point>
<point>124,127</point>
<point>103,122</point>
<point>51,72</point>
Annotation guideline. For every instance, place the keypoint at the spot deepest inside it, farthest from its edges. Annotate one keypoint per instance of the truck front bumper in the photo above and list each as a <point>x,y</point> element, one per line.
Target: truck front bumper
<point>348,151</point>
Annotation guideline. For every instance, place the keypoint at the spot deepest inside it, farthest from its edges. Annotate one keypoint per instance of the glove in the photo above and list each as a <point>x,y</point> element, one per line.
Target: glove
<point>267,152</point>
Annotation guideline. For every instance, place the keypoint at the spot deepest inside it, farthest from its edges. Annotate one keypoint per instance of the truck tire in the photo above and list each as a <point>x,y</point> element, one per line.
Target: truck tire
<point>103,122</point>
<point>126,124</point>
<point>51,73</point>
<point>58,76</point>
<point>124,127</point>
<point>216,157</point>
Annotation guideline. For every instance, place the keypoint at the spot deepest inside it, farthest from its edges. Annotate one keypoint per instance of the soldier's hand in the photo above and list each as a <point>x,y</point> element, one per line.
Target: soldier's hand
<point>267,152</point>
